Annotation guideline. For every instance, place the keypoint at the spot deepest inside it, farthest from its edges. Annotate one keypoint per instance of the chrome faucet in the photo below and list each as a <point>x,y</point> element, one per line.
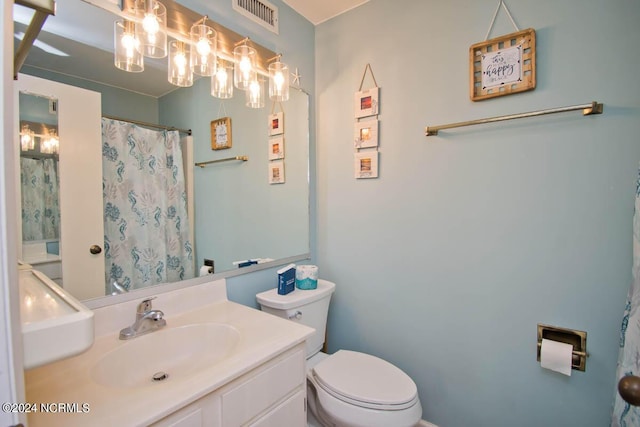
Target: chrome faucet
<point>147,320</point>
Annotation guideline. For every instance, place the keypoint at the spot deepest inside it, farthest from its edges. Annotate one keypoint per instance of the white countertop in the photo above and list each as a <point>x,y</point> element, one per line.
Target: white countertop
<point>69,381</point>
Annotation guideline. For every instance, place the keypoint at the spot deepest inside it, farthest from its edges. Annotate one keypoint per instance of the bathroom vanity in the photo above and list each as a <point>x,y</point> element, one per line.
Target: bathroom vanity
<point>215,364</point>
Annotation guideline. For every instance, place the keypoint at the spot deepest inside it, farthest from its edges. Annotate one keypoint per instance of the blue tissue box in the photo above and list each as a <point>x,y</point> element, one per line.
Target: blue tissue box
<point>286,279</point>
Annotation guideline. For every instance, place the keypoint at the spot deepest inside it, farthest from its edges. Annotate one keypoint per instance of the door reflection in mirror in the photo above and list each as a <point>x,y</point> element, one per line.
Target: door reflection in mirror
<point>39,170</point>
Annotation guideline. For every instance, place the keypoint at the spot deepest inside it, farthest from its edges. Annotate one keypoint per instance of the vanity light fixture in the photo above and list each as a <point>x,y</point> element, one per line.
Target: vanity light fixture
<point>278,80</point>
<point>203,50</point>
<point>27,138</point>
<point>151,22</point>
<point>50,143</point>
<point>201,45</point>
<point>128,55</point>
<point>222,80</point>
<point>180,72</point>
<point>255,94</point>
<point>244,72</point>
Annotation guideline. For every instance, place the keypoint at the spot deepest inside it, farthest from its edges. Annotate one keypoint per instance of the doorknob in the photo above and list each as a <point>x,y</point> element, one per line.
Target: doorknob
<point>95,249</point>
<point>629,389</point>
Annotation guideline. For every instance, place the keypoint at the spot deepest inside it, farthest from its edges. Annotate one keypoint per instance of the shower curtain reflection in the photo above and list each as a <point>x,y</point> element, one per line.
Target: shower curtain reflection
<point>624,414</point>
<point>147,232</point>
<point>39,183</point>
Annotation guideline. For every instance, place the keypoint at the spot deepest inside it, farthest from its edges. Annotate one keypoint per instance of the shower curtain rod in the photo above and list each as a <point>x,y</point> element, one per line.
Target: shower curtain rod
<point>137,122</point>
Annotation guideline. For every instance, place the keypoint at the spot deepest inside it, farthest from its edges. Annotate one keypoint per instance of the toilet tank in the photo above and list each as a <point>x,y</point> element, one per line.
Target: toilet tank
<point>309,307</point>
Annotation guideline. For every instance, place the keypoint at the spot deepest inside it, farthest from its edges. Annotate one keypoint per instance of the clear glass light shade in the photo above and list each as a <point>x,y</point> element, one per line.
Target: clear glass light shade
<point>203,50</point>
<point>50,143</point>
<point>128,55</point>
<point>245,66</point>
<point>180,72</point>
<point>222,80</point>
<point>278,81</point>
<point>255,94</point>
<point>27,138</point>
<point>151,27</point>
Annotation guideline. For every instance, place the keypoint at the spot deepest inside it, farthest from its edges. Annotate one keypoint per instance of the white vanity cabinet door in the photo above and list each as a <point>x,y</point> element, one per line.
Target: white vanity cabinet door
<point>271,395</point>
<point>290,413</point>
<point>259,392</point>
<point>204,412</point>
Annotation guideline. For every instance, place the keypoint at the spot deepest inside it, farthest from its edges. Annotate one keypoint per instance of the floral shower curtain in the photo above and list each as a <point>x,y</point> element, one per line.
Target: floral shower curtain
<point>39,184</point>
<point>625,415</point>
<point>145,211</point>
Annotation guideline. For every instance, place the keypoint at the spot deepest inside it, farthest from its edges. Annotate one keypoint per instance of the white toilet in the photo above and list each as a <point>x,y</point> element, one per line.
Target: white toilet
<point>347,388</point>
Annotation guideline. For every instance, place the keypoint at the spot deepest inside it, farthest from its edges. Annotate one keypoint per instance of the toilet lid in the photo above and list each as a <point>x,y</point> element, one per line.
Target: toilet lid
<point>365,380</point>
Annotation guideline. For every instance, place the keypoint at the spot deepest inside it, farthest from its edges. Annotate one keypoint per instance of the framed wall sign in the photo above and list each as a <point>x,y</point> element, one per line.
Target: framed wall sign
<point>366,102</point>
<point>366,134</point>
<point>366,164</point>
<point>276,172</point>
<point>276,148</point>
<point>503,65</point>
<point>221,133</point>
<point>276,123</point>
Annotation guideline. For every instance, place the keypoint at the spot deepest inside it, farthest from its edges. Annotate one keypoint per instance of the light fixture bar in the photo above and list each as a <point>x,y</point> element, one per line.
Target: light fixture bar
<point>42,8</point>
<point>179,22</point>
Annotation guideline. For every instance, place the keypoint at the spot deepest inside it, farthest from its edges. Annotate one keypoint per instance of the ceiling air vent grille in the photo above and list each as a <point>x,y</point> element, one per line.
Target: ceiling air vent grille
<point>260,11</point>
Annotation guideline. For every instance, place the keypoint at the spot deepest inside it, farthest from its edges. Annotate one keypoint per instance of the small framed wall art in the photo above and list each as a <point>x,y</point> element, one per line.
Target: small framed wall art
<point>276,123</point>
<point>366,102</point>
<point>276,172</point>
<point>503,66</point>
<point>366,164</point>
<point>276,148</point>
<point>221,133</point>
<point>366,134</point>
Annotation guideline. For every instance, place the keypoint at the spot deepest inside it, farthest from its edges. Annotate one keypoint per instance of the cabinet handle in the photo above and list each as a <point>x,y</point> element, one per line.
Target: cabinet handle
<point>95,249</point>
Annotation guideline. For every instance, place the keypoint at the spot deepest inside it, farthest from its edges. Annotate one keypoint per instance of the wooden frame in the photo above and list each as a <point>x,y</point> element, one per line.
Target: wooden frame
<point>503,65</point>
<point>221,133</point>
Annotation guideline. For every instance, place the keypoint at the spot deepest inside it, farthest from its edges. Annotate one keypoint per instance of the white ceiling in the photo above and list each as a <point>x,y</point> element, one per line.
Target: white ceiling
<point>318,11</point>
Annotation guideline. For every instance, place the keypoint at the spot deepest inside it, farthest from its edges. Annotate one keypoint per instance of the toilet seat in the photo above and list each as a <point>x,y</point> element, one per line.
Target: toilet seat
<point>366,381</point>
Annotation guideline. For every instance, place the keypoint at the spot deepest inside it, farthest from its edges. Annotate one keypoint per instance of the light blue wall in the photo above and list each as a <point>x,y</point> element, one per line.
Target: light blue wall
<point>115,102</point>
<point>446,263</point>
<point>238,214</point>
<point>296,42</point>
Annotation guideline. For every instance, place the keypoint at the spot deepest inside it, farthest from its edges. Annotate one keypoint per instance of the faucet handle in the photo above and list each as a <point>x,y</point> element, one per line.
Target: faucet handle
<point>145,305</point>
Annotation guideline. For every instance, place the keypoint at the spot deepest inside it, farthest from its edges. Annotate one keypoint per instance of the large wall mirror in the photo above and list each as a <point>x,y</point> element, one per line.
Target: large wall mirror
<point>235,210</point>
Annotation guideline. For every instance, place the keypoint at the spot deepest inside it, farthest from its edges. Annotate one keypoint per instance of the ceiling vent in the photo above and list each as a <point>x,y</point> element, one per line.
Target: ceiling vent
<point>260,11</point>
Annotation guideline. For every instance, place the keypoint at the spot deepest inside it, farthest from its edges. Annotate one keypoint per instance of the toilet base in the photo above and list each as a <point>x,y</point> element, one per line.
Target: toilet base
<point>334,412</point>
<point>312,421</point>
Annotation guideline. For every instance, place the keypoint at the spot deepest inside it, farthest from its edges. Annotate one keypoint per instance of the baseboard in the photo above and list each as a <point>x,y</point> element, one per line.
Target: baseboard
<point>424,423</point>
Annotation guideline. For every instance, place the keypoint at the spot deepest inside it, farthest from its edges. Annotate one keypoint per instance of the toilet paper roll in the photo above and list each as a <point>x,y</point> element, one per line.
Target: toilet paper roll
<point>556,356</point>
<point>205,269</point>
<point>306,277</point>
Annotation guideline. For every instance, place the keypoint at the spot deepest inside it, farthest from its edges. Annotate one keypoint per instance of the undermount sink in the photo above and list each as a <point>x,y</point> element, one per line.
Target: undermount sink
<point>165,355</point>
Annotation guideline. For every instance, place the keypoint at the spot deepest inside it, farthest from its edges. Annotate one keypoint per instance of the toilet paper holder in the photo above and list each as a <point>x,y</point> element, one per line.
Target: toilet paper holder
<point>578,339</point>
